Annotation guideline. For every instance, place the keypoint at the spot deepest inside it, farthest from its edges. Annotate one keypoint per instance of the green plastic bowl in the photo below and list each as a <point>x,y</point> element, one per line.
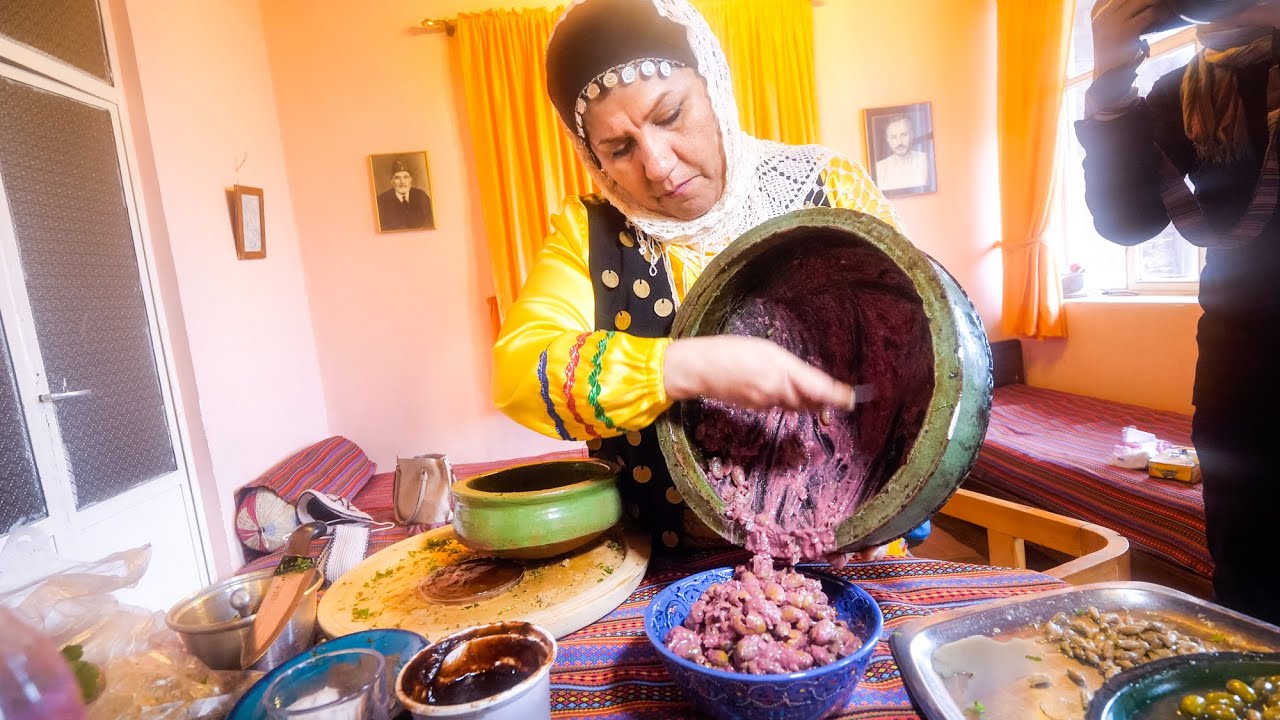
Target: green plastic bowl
<point>538,510</point>
<point>1153,690</point>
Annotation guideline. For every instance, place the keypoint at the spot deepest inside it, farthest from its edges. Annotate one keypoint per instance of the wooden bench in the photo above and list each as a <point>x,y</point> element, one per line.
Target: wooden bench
<point>1100,554</point>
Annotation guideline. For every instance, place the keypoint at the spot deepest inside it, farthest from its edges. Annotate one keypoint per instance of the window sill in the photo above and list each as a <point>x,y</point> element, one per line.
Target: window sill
<point>1099,299</point>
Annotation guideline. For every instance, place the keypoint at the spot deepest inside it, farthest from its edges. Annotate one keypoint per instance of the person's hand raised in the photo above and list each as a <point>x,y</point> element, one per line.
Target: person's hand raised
<point>1117,27</point>
<point>749,372</point>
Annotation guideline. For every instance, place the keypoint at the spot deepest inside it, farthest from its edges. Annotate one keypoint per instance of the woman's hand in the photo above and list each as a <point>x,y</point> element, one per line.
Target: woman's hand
<point>749,372</point>
<point>1117,26</point>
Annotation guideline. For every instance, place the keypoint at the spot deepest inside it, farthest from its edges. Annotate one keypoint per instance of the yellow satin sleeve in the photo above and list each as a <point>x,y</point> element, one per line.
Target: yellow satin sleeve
<point>555,374</point>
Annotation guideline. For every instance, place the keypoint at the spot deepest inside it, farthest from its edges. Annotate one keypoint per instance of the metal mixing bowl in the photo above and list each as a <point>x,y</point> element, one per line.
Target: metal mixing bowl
<point>212,630</point>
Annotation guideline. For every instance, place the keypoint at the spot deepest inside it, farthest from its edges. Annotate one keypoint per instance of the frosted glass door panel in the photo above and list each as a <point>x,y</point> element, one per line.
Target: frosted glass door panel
<point>62,178</point>
<point>21,497</point>
<point>66,30</point>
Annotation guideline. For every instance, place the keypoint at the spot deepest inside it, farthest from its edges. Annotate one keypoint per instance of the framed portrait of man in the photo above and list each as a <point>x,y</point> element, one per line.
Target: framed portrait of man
<point>401,191</point>
<point>900,151</point>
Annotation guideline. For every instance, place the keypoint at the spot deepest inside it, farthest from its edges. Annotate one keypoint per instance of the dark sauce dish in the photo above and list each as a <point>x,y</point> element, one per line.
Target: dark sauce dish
<point>493,672</point>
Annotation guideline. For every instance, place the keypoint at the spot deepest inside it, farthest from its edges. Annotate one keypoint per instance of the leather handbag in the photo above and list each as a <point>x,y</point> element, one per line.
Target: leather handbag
<point>421,490</point>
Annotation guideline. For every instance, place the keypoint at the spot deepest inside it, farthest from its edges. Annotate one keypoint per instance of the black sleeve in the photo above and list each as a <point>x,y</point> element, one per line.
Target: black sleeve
<point>1121,182</point>
<point>1122,161</point>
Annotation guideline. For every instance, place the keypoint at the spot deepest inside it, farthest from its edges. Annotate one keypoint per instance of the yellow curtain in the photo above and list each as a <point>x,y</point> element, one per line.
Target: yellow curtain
<point>525,163</point>
<point>769,46</point>
<point>1034,38</point>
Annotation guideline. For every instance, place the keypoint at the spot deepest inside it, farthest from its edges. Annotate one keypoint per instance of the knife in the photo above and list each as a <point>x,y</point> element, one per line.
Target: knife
<point>296,572</point>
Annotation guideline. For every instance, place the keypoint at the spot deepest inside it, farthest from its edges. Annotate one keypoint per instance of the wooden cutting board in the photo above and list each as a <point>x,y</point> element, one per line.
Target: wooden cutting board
<point>562,594</point>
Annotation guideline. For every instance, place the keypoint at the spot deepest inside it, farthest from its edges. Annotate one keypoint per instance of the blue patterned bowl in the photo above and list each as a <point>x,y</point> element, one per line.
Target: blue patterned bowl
<point>804,695</point>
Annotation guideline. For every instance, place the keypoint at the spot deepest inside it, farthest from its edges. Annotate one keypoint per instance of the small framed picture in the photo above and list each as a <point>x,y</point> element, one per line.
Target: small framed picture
<point>402,191</point>
<point>900,152</point>
<point>249,222</point>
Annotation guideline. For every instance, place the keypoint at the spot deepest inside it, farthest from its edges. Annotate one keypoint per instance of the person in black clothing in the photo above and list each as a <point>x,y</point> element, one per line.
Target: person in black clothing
<point>1215,122</point>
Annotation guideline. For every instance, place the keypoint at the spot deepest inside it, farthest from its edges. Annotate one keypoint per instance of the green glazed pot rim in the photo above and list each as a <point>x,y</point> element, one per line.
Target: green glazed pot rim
<point>880,519</point>
<point>606,474</point>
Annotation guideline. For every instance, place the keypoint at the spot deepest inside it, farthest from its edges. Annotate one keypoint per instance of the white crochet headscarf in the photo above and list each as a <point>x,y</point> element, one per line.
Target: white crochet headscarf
<point>763,179</point>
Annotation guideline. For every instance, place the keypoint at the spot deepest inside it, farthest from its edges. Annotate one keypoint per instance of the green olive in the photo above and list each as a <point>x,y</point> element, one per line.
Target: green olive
<point>1219,697</point>
<point>1221,712</point>
<point>1192,706</point>
<point>1263,687</point>
<point>1243,691</point>
<point>1271,712</point>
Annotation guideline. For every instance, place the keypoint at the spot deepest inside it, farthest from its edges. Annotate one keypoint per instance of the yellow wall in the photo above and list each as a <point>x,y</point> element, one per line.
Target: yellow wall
<point>1142,353</point>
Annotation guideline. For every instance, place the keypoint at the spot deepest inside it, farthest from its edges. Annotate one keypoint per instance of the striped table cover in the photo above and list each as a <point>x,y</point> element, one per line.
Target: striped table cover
<point>609,670</point>
<point>1051,450</point>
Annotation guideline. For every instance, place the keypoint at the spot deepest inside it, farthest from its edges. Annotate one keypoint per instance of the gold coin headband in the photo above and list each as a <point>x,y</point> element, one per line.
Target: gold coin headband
<point>624,74</point>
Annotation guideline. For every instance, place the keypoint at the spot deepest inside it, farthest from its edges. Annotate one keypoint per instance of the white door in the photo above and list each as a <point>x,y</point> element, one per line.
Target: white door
<point>89,442</point>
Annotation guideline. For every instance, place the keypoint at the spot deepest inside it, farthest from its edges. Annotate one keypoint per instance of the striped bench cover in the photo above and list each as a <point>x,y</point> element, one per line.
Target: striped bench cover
<point>1051,450</point>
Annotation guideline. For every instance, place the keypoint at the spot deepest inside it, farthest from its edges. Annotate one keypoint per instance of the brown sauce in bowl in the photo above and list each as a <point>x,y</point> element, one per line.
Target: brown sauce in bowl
<point>468,669</point>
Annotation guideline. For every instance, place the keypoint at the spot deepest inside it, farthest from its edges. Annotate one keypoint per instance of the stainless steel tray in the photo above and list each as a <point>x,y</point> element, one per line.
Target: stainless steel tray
<point>914,643</point>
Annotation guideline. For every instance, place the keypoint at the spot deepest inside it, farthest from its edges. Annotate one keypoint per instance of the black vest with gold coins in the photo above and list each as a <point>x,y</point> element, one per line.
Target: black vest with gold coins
<point>629,298</point>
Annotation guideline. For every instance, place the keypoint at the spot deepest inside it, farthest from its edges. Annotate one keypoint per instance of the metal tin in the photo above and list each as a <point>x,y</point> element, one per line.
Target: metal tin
<point>947,443</point>
<point>210,628</point>
<point>914,644</point>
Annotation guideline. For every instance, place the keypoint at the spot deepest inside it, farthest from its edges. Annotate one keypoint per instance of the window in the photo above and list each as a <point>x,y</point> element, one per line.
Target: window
<point>1166,264</point>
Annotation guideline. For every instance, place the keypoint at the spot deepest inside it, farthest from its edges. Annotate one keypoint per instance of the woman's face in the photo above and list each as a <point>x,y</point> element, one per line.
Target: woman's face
<point>659,140</point>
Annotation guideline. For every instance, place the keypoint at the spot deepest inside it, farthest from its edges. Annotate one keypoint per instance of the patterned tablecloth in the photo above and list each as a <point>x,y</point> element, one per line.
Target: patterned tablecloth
<point>609,670</point>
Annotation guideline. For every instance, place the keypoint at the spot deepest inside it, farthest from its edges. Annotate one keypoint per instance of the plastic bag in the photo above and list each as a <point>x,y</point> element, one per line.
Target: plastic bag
<point>1136,448</point>
<point>148,675</point>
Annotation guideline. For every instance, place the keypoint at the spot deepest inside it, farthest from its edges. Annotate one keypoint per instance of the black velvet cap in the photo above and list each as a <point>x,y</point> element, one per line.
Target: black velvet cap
<point>600,34</point>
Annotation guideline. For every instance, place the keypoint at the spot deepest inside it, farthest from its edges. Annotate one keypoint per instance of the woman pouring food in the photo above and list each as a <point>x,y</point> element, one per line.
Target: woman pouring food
<point>643,88</point>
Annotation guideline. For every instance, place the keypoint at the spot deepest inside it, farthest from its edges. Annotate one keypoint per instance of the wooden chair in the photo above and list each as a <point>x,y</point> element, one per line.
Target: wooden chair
<point>1100,554</point>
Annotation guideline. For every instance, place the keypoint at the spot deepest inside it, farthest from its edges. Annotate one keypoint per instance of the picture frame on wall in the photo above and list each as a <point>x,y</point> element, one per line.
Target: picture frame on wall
<point>249,222</point>
<point>900,149</point>
<point>401,191</point>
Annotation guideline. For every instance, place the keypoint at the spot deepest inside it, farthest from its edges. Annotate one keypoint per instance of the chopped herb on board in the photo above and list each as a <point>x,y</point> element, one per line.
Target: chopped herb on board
<point>1037,658</point>
<point>978,708</point>
<point>360,613</point>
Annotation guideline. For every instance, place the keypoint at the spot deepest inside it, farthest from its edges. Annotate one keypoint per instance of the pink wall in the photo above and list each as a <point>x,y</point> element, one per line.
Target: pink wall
<point>400,318</point>
<point>874,54</point>
<point>241,330</point>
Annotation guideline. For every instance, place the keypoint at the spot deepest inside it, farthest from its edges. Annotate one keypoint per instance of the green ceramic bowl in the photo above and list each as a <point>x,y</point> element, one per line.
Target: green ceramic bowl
<point>1153,690</point>
<point>537,510</point>
<point>868,307</point>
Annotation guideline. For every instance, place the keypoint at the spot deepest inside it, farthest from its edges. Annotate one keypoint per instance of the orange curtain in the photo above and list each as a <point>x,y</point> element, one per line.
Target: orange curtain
<point>525,163</point>
<point>1034,38</point>
<point>769,46</point>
